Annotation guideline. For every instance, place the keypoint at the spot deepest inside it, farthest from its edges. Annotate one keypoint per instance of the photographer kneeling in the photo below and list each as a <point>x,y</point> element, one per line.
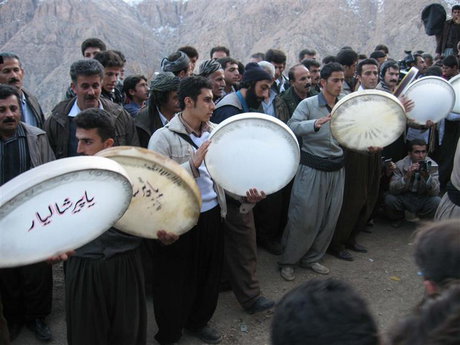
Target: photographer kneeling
<point>414,186</point>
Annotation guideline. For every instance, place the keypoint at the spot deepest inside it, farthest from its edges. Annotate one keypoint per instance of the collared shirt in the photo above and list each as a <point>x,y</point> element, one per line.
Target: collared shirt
<point>163,118</point>
<point>27,113</point>
<point>269,107</point>
<point>14,155</point>
<point>73,142</point>
<point>204,127</point>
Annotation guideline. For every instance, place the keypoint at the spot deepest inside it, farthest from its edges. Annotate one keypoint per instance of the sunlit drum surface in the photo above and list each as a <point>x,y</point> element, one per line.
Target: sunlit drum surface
<point>367,118</point>
<point>433,99</point>
<point>407,80</point>
<point>252,150</point>
<point>165,195</point>
<point>60,206</point>
<point>455,82</point>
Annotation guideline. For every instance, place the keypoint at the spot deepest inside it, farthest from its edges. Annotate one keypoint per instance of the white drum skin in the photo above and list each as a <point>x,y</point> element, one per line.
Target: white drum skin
<point>455,82</point>
<point>433,97</point>
<point>165,196</point>
<point>252,150</point>
<point>60,206</point>
<point>367,118</point>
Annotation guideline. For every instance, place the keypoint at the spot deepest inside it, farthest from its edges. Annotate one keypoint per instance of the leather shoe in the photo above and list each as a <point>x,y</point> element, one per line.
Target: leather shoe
<point>207,335</point>
<point>272,247</point>
<point>41,329</point>
<point>356,248</point>
<point>261,304</point>
<point>288,273</point>
<point>343,254</point>
<point>14,328</point>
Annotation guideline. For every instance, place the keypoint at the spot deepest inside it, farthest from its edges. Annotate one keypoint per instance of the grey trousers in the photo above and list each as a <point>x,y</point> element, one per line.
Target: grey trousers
<point>316,200</point>
<point>422,205</point>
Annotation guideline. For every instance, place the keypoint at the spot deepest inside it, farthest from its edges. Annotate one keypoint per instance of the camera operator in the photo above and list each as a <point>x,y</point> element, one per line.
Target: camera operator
<point>414,186</point>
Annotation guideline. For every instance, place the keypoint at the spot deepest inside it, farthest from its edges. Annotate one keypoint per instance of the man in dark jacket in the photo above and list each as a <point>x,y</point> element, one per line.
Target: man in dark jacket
<point>12,73</point>
<point>285,104</point>
<point>26,290</point>
<point>87,84</point>
<point>446,42</point>
<point>162,105</point>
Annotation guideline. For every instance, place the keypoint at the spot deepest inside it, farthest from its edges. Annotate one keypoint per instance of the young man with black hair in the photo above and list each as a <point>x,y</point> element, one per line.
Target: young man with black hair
<point>319,182</point>
<point>307,54</point>
<point>450,67</point>
<point>323,312</point>
<point>190,269</point>
<point>104,282</point>
<point>278,59</point>
<point>314,67</point>
<point>348,58</point>
<point>113,66</point>
<point>362,181</point>
<point>12,73</point>
<point>136,89</point>
<point>87,76</point>
<point>92,46</point>
<point>447,41</point>
<point>219,52</point>
<point>231,74</point>
<point>26,291</point>
<point>414,186</point>
<point>163,104</point>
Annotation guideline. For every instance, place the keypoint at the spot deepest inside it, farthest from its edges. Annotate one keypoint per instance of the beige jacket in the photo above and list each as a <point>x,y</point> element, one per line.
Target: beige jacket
<point>168,143</point>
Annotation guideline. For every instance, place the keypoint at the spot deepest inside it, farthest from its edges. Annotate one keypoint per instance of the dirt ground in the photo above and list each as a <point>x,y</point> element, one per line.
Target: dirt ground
<point>386,277</point>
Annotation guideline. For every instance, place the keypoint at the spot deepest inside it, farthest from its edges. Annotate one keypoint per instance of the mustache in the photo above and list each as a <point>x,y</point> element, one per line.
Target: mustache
<point>13,80</point>
<point>307,85</point>
<point>393,81</point>
<point>9,119</point>
<point>90,97</point>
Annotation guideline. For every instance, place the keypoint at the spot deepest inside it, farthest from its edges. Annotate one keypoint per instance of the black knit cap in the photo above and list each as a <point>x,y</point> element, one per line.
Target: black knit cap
<point>253,72</point>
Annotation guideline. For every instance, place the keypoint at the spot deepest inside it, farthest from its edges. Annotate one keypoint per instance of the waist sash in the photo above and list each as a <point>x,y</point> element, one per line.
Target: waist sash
<point>319,163</point>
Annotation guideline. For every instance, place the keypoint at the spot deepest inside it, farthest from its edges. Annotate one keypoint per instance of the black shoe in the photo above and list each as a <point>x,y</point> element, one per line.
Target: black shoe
<point>14,328</point>
<point>343,254</point>
<point>272,247</point>
<point>261,304</point>
<point>207,335</point>
<point>41,329</point>
<point>356,248</point>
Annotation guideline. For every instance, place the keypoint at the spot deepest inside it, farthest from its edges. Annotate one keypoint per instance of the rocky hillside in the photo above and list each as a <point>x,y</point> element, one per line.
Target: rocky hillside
<point>47,34</point>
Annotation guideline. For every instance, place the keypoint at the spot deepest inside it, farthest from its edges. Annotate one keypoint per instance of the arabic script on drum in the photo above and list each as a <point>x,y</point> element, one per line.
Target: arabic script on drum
<point>59,209</point>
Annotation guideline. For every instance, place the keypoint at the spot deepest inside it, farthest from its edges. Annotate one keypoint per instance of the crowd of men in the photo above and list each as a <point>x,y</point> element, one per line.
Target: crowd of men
<point>334,196</point>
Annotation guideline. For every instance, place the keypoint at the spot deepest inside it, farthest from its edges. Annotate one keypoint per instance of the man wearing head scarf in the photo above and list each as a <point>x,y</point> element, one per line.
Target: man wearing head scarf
<point>177,63</point>
<point>162,105</point>
<point>213,71</point>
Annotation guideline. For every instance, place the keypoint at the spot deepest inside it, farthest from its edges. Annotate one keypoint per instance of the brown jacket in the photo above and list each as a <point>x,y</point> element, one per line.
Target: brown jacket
<point>147,124</point>
<point>57,126</point>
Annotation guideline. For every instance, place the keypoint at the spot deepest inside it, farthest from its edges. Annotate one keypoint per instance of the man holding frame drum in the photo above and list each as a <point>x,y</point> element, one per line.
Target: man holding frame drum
<point>186,291</point>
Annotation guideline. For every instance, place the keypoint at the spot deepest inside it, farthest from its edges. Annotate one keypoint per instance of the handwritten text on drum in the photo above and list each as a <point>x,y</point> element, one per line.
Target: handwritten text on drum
<point>163,172</point>
<point>62,208</point>
<point>146,190</point>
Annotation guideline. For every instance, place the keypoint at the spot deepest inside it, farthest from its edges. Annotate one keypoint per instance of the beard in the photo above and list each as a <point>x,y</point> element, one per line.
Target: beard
<point>252,100</point>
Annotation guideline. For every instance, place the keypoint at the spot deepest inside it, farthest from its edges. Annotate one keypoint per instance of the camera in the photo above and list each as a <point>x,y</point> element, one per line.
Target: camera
<point>423,166</point>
